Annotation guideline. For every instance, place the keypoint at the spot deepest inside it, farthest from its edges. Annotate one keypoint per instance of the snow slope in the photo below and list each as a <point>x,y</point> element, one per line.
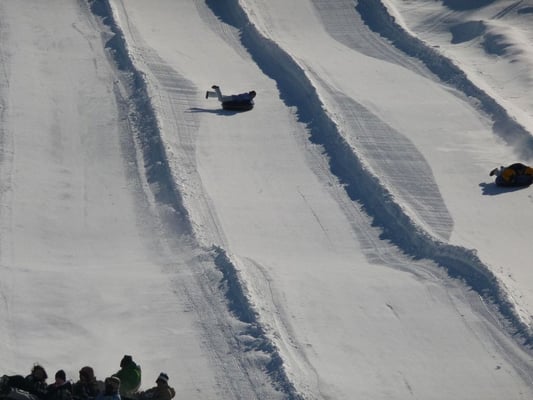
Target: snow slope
<point>509,71</point>
<point>305,249</point>
<point>492,46</point>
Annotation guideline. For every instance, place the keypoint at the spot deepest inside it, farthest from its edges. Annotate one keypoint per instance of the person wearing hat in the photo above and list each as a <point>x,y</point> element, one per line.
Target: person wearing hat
<point>111,389</point>
<point>61,389</point>
<point>86,388</point>
<point>160,392</point>
<point>129,375</point>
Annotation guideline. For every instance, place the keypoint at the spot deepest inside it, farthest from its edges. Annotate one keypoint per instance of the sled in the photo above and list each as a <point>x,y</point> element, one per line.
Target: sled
<point>238,105</point>
<point>519,181</point>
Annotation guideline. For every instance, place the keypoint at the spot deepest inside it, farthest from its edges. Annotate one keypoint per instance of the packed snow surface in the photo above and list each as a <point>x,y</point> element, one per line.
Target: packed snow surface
<point>341,240</point>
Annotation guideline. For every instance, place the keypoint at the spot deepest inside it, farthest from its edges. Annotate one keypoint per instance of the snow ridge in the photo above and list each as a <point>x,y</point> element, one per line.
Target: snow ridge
<point>242,308</point>
<point>158,170</point>
<point>378,19</point>
<point>296,90</point>
<point>143,119</point>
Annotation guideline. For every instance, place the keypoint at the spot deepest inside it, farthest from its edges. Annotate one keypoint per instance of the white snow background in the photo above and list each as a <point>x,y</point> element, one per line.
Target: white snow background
<point>342,240</point>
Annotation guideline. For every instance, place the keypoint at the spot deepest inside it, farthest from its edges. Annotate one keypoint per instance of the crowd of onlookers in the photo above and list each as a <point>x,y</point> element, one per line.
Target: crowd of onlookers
<point>123,385</point>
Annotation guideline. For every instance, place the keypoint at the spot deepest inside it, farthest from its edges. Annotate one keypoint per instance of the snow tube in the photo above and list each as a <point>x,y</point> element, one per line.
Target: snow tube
<point>237,105</point>
<point>518,181</point>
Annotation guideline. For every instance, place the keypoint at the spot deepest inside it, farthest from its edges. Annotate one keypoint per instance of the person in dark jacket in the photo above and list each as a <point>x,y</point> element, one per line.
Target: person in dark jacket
<point>87,387</point>
<point>516,174</point>
<point>160,392</point>
<point>129,375</point>
<point>33,384</point>
<point>61,389</point>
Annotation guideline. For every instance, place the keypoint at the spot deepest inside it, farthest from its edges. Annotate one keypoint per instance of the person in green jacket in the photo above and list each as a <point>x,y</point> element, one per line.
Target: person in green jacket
<point>129,375</point>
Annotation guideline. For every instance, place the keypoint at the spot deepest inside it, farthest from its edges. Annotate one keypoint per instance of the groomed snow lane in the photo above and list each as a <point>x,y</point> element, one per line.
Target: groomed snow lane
<point>333,296</point>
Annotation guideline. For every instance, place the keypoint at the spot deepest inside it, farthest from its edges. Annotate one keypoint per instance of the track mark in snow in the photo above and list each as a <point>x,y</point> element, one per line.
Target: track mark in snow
<point>340,20</point>
<point>245,311</point>
<point>397,162</point>
<point>173,97</point>
<point>393,310</point>
<point>273,313</point>
<point>317,218</point>
<point>507,10</point>
<point>179,128</point>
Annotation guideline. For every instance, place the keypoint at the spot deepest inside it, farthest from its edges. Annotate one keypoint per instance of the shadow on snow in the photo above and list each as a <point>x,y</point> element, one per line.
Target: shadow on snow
<point>217,111</point>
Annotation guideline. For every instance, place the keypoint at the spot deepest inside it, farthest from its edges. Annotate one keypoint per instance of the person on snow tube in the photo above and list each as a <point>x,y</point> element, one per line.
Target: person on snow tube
<point>516,175</point>
<point>242,101</point>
